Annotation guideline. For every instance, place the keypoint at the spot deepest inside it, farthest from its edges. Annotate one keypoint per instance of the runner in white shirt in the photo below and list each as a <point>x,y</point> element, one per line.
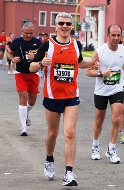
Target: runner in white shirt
<point>108,88</point>
<point>122,116</point>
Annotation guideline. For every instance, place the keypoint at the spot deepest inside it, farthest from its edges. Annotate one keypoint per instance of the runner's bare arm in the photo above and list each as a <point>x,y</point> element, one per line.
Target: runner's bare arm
<point>10,56</point>
<point>94,71</point>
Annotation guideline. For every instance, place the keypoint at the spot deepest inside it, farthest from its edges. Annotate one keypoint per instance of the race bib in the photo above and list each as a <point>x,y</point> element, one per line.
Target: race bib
<point>63,72</point>
<point>26,54</point>
<point>113,79</point>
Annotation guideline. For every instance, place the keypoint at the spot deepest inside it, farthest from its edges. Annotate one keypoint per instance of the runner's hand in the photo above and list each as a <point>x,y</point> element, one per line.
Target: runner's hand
<point>46,60</point>
<point>94,63</point>
<point>107,72</point>
<point>16,59</point>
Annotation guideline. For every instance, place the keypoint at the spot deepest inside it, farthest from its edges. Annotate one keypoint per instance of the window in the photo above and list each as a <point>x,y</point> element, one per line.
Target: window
<point>53,16</point>
<point>72,1</point>
<point>42,18</point>
<point>77,18</point>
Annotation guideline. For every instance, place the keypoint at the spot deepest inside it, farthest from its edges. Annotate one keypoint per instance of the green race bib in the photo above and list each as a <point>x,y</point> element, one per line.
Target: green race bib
<point>113,79</point>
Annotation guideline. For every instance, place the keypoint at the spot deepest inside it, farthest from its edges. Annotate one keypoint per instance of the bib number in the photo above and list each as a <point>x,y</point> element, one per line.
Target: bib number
<point>113,79</point>
<point>64,72</point>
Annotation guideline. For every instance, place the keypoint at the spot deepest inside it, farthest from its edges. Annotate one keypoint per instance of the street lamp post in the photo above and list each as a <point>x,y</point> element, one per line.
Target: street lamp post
<point>75,20</point>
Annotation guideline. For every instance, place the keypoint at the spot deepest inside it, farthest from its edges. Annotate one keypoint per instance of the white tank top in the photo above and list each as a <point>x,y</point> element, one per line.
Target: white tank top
<point>123,69</point>
<point>110,59</point>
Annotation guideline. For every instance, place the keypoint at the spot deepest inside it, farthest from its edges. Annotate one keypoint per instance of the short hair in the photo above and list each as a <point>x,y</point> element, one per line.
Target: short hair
<point>40,34</point>
<point>45,34</point>
<point>2,31</point>
<point>64,15</point>
<point>28,25</point>
<point>115,26</point>
<point>12,35</point>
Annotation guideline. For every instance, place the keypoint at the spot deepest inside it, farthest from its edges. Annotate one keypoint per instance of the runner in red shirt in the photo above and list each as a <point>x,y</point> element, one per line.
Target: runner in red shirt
<point>61,57</point>
<point>3,41</point>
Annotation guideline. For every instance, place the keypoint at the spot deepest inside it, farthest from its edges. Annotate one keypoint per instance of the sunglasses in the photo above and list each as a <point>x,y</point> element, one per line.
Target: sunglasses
<point>67,23</point>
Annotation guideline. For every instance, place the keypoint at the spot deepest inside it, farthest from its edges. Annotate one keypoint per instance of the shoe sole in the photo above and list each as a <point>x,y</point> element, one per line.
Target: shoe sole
<point>98,158</point>
<point>72,183</point>
<point>24,134</point>
<point>118,162</point>
<point>95,158</point>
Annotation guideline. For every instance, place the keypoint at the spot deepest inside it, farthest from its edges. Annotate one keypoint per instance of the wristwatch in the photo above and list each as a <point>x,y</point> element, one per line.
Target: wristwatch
<point>100,74</point>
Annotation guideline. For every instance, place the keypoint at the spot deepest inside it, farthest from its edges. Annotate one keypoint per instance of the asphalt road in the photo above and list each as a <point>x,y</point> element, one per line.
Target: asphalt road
<point>22,158</point>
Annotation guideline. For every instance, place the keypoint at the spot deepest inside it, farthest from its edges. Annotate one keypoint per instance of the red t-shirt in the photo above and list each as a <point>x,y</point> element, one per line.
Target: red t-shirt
<point>3,41</point>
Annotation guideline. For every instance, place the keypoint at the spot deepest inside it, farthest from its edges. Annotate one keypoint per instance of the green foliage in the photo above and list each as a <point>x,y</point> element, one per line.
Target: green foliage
<point>87,53</point>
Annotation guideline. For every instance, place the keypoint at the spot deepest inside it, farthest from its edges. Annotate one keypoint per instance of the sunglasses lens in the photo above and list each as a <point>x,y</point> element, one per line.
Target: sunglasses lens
<point>61,23</point>
<point>67,23</point>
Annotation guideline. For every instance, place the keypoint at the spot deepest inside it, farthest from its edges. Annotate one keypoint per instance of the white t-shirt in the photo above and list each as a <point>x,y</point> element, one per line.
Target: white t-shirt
<point>110,59</point>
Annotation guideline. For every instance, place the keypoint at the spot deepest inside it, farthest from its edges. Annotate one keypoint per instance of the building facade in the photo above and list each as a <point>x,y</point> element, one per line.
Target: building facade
<point>41,13</point>
<point>104,15</point>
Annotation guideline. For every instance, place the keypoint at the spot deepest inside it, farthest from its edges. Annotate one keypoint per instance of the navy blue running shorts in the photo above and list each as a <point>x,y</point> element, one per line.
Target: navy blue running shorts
<point>58,105</point>
<point>101,102</point>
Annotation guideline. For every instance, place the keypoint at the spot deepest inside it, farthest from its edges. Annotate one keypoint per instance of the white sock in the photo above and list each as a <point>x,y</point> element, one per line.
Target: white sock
<point>23,115</point>
<point>29,107</point>
<point>95,142</point>
<point>0,62</point>
<point>111,146</point>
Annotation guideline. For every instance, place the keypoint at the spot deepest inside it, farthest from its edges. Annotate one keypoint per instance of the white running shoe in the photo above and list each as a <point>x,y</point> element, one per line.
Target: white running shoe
<point>9,73</point>
<point>69,179</point>
<point>49,170</point>
<point>112,154</point>
<point>23,131</point>
<point>28,121</point>
<point>95,153</point>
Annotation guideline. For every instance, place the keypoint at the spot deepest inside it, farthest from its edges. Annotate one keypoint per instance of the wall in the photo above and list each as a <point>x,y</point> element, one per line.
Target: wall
<point>114,12</point>
<point>18,11</point>
<point>2,13</point>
